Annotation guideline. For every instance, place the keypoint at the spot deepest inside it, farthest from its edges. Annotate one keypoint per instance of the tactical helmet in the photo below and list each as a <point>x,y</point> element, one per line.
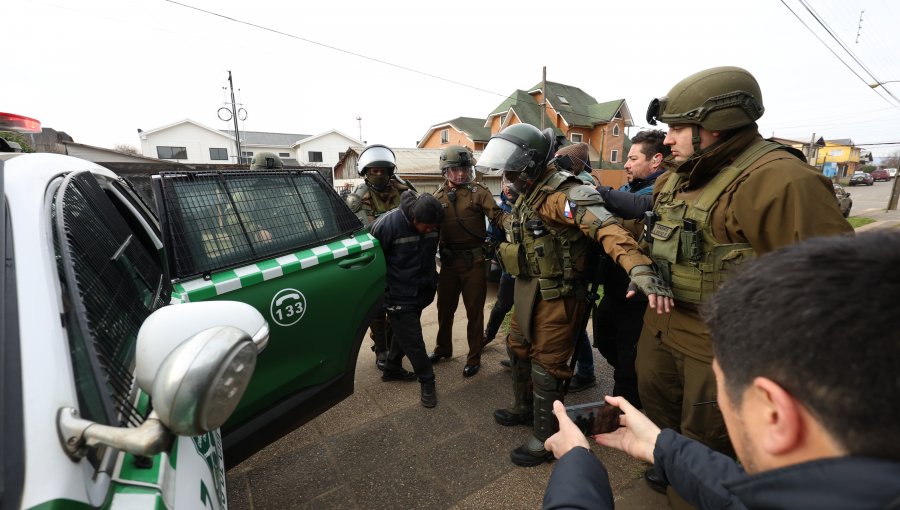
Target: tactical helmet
<point>716,99</point>
<point>457,156</point>
<point>520,148</point>
<point>266,161</point>
<point>377,156</point>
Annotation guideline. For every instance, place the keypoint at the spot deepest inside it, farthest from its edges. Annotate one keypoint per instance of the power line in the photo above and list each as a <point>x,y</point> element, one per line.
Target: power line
<point>374,59</point>
<point>833,52</point>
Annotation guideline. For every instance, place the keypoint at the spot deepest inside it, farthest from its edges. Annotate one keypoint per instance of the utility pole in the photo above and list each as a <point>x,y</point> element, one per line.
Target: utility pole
<point>809,152</point>
<point>544,92</point>
<point>237,134</point>
<point>895,195</point>
<point>359,122</point>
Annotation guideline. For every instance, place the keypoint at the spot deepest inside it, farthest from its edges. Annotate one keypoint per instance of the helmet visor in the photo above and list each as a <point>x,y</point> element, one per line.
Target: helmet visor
<point>502,155</point>
<point>655,110</point>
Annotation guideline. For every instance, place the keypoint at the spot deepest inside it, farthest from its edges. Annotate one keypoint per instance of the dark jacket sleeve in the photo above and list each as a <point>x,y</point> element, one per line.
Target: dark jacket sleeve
<point>579,481</point>
<point>623,204</point>
<point>696,472</point>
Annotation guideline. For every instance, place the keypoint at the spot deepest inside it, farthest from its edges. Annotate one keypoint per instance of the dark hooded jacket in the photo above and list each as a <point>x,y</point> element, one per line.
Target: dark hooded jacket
<point>709,480</point>
<point>411,279</point>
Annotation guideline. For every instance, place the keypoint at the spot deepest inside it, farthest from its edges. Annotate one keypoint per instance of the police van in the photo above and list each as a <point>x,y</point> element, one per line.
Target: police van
<point>149,343</point>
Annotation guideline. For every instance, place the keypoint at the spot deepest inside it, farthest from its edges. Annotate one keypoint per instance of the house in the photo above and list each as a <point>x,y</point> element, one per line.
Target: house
<point>418,166</point>
<point>466,131</point>
<point>190,142</point>
<point>568,110</point>
<point>839,158</point>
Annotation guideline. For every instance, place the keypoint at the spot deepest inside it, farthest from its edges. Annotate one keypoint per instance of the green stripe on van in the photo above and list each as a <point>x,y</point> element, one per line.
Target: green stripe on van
<point>224,282</point>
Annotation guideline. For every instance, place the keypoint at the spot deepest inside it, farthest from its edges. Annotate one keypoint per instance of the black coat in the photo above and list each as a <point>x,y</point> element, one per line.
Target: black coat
<point>709,480</point>
<point>410,258</point>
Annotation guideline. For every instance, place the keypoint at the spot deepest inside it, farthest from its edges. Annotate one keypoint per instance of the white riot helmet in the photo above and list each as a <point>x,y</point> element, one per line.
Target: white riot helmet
<point>377,156</point>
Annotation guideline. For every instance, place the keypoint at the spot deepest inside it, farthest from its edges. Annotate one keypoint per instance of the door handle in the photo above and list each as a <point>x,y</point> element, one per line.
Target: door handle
<point>358,260</point>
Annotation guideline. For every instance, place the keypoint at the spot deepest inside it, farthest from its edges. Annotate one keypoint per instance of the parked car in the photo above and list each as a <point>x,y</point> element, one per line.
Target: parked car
<point>892,172</point>
<point>861,178</point>
<point>880,175</point>
<point>131,358</point>
<point>843,199</point>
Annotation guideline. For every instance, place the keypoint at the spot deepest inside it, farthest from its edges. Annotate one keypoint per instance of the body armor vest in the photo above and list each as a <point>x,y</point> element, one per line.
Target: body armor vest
<point>537,250</point>
<point>683,247</point>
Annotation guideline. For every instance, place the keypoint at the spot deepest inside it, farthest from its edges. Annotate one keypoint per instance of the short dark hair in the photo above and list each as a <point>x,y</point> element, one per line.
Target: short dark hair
<point>651,141</point>
<point>820,319</point>
<point>422,208</point>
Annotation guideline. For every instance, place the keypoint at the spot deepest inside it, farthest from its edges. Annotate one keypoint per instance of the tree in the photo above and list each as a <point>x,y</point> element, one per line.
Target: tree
<point>125,148</point>
<point>17,138</point>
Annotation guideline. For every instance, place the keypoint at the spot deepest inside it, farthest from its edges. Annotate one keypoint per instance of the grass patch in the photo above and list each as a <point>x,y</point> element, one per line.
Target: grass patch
<point>858,221</point>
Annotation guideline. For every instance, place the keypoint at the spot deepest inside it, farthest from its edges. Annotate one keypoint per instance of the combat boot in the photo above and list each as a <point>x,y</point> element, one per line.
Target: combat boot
<point>521,412</point>
<point>429,394</point>
<point>546,389</point>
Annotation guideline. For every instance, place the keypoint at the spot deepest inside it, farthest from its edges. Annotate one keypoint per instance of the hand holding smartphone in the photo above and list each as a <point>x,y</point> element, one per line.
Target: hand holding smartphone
<point>595,417</point>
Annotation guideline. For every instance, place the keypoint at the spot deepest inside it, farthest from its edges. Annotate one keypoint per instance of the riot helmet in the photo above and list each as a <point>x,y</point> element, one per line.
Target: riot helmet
<point>520,152</point>
<point>266,161</point>
<point>377,156</point>
<point>716,99</point>
<point>457,164</point>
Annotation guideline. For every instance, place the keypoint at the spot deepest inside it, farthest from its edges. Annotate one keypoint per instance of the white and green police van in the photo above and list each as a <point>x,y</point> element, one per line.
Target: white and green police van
<point>149,343</point>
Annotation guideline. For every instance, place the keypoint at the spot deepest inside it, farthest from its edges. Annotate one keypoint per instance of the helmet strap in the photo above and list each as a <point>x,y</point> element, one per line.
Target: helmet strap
<point>695,138</point>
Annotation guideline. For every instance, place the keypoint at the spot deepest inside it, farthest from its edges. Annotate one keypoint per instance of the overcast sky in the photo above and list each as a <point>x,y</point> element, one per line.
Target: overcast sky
<point>100,70</point>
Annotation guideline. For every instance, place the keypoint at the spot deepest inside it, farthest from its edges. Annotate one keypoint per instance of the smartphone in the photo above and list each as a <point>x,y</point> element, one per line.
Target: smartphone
<point>595,417</point>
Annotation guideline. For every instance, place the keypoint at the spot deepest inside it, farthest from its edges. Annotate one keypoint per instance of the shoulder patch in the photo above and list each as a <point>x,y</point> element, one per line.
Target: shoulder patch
<point>584,195</point>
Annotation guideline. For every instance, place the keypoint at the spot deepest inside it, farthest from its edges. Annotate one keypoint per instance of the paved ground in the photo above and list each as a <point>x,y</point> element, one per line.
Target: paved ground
<point>381,449</point>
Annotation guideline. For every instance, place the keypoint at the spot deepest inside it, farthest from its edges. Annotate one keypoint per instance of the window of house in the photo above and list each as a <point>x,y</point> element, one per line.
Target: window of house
<point>563,100</point>
<point>315,157</point>
<point>246,157</point>
<point>445,136</point>
<point>284,154</point>
<point>576,137</point>
<point>218,154</point>
<point>165,152</point>
<point>614,156</point>
<point>615,130</point>
<point>341,155</point>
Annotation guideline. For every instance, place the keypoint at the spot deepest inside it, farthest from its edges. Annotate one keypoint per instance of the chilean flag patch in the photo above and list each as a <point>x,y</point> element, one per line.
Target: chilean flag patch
<point>567,212</point>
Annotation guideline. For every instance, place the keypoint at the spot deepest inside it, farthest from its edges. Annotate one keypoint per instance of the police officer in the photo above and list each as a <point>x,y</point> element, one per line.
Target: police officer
<point>376,195</point>
<point>732,197</point>
<point>463,234</point>
<point>266,161</point>
<point>551,240</point>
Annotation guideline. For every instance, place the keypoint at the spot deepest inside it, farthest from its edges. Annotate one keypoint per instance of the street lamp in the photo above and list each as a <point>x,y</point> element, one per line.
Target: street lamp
<point>880,83</point>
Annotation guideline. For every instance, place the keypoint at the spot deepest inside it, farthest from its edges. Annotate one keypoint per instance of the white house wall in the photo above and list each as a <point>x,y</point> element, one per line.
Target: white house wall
<point>330,145</point>
<point>196,140</point>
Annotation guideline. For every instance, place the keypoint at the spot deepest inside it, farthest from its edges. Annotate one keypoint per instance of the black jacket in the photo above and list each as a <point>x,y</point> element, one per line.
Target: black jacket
<point>410,258</point>
<point>709,480</point>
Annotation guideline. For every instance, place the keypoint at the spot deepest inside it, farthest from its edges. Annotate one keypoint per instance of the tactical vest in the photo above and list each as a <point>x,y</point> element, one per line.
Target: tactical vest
<point>683,247</point>
<point>537,250</point>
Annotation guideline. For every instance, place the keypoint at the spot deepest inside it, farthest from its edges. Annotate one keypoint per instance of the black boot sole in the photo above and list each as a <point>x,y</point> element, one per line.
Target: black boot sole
<point>520,457</point>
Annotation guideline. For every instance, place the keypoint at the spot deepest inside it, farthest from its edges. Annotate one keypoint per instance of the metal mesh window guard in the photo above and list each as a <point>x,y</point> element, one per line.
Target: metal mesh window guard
<point>113,284</point>
<point>217,220</point>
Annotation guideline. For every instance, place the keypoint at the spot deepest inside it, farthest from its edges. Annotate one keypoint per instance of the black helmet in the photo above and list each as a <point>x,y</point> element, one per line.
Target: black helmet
<point>520,148</point>
<point>266,161</point>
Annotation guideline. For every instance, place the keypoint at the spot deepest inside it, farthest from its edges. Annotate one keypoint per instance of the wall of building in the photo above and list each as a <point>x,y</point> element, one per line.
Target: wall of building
<point>455,138</point>
<point>196,141</point>
<point>331,145</point>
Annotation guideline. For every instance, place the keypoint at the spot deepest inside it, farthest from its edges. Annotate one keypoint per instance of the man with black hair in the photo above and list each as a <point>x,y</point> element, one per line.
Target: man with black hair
<point>409,239</point>
<point>806,358</point>
<point>618,320</point>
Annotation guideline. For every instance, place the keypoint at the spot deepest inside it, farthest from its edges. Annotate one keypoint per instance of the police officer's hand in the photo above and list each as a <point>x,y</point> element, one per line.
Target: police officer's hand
<point>658,292</point>
<point>569,435</point>
<point>637,435</point>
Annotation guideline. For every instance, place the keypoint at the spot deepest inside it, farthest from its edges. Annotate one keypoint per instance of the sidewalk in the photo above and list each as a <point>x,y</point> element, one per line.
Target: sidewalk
<point>381,449</point>
<point>884,219</point>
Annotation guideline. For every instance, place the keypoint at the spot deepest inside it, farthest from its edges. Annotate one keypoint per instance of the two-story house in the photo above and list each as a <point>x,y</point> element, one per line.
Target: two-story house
<point>190,142</point>
<point>568,110</point>
<point>839,158</point>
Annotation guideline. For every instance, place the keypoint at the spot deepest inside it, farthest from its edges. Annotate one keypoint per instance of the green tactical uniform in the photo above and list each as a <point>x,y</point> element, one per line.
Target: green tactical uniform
<point>736,214</point>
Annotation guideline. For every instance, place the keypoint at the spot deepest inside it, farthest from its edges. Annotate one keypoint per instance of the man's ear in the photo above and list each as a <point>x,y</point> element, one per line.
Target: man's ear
<point>779,417</point>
